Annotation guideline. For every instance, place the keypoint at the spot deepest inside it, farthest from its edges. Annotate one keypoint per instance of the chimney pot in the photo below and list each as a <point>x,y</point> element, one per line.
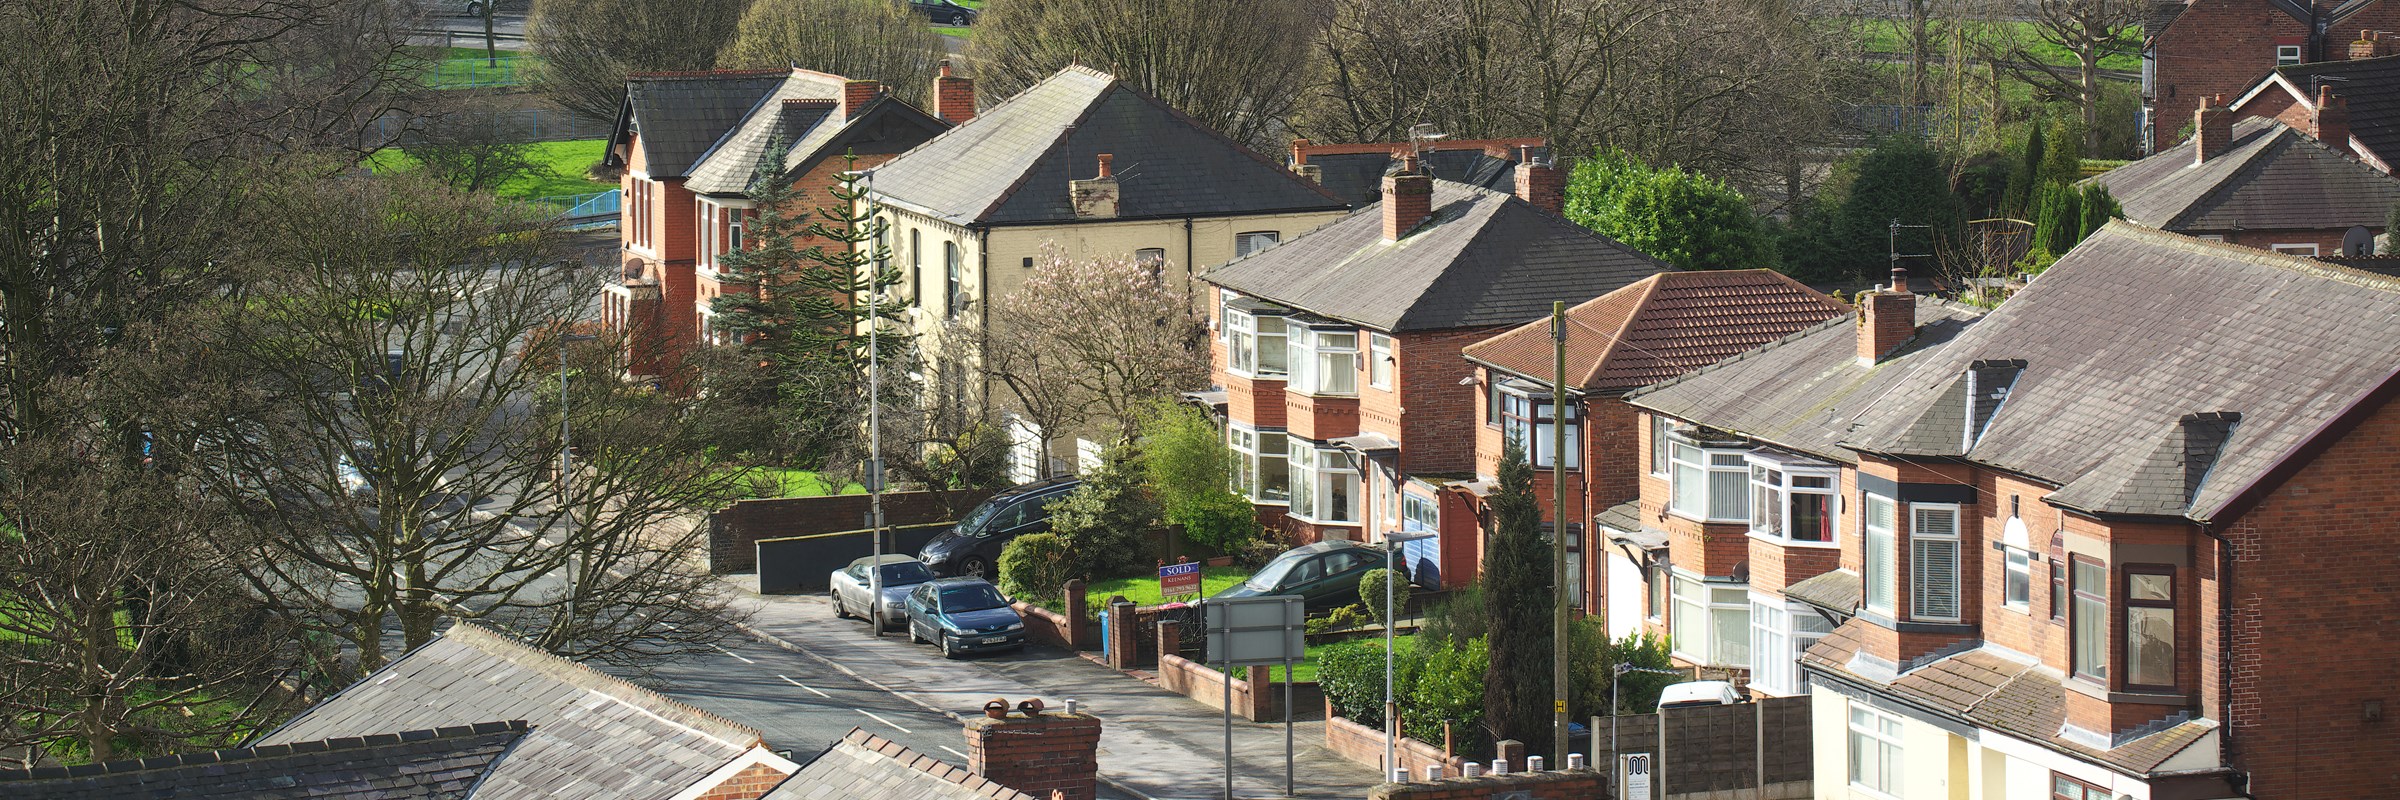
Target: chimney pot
<point>1070,706</point>
<point>1104,159</point>
<point>996,708</point>
<point>1899,279</point>
<point>1400,775</point>
<point>1499,766</point>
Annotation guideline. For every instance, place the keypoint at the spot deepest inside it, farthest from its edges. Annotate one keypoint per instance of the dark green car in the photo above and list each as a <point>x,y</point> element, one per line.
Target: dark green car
<point>1326,573</point>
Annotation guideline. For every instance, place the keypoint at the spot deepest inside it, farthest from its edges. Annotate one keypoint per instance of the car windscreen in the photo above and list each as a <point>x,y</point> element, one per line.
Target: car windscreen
<point>905,573</point>
<point>1267,578</point>
<point>972,524</point>
<point>971,597</point>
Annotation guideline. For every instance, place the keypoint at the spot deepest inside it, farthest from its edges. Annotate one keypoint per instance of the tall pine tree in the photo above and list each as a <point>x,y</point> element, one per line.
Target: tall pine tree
<point>1516,585</point>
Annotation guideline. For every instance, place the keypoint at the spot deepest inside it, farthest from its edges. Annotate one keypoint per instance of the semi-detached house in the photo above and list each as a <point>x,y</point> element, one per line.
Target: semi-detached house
<point>2260,182</point>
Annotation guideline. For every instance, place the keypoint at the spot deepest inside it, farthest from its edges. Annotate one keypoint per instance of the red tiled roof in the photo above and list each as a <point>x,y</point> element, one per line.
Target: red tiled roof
<point>1663,326</point>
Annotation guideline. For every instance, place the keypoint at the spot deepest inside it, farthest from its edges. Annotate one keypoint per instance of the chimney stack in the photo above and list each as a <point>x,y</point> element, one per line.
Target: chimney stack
<point>2370,44</point>
<point>1540,183</point>
<point>1407,199</point>
<point>953,96</point>
<point>1095,198</point>
<point>857,94</point>
<point>2212,129</point>
<point>2331,122</point>
<point>1034,752</point>
<point>1887,318</point>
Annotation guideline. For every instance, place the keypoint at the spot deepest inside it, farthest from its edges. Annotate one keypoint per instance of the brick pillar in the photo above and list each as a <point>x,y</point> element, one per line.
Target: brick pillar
<point>2212,129</point>
<point>1512,753</point>
<point>1407,199</point>
<point>1261,707</point>
<point>1543,185</point>
<point>1077,637</point>
<point>1886,319</point>
<point>1124,642</point>
<point>1037,754</point>
<point>953,96</point>
<point>857,94</point>
<point>1170,638</point>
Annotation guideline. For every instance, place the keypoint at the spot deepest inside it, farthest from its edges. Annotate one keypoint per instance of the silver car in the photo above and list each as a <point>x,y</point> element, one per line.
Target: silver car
<point>900,574</point>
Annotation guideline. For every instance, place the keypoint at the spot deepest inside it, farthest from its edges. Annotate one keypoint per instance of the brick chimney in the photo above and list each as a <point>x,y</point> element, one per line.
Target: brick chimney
<point>1034,752</point>
<point>953,96</point>
<point>857,94</point>
<point>2370,44</point>
<point>1300,163</point>
<point>2212,129</point>
<point>1095,198</point>
<point>1540,183</point>
<point>1887,318</point>
<point>2331,122</point>
<point>1407,199</point>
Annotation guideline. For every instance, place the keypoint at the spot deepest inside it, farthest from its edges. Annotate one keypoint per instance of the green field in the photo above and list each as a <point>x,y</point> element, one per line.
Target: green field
<point>1143,590</point>
<point>561,172</point>
<point>797,483</point>
<point>1884,37</point>
<point>469,67</point>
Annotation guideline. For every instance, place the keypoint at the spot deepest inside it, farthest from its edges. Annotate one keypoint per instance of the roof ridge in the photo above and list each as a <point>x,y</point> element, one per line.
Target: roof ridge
<point>2272,139</point>
<point>1005,102</point>
<point>1650,287</point>
<point>704,73</point>
<point>267,751</point>
<point>2289,263</point>
<point>927,764</point>
<point>1064,132</point>
<point>1211,131</point>
<point>619,689</point>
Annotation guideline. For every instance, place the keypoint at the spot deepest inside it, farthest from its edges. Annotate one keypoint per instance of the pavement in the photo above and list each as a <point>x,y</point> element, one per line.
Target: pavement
<point>1154,743</point>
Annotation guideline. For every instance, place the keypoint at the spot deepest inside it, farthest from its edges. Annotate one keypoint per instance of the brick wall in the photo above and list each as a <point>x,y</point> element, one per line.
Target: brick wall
<point>1320,418</point>
<point>1438,416</point>
<point>1037,755</point>
<point>751,783</point>
<point>1578,784</point>
<point>2224,46</point>
<point>734,531</point>
<point>1710,752</point>
<point>1364,745</point>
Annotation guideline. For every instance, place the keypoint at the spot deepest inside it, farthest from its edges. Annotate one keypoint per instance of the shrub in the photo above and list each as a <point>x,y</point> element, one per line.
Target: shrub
<point>1351,674</point>
<point>1349,616</point>
<point>1458,618</point>
<point>1683,218</point>
<point>1106,521</point>
<point>1447,686</point>
<point>1186,462</point>
<point>1371,589</point>
<point>1033,567</point>
<point>1258,552</point>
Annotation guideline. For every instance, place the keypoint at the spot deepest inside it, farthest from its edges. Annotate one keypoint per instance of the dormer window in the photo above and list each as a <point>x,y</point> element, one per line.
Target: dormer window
<point>1793,500</point>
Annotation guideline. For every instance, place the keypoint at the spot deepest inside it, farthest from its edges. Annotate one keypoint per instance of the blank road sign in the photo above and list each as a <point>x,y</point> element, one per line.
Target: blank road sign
<point>1255,630</point>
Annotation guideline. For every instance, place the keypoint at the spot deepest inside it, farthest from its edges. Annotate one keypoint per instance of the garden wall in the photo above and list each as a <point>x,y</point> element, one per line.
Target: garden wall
<point>1364,745</point>
<point>1711,752</point>
<point>734,531</point>
<point>1052,628</point>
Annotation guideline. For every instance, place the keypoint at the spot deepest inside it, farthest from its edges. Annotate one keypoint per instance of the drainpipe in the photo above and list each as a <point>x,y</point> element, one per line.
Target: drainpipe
<point>1188,269</point>
<point>2225,675</point>
<point>983,319</point>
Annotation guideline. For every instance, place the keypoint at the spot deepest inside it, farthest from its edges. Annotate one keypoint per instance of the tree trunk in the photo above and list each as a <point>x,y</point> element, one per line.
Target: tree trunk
<point>2089,63</point>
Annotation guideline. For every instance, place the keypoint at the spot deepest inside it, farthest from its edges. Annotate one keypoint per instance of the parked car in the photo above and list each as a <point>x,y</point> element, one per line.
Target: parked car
<point>1698,693</point>
<point>973,546</point>
<point>943,12</point>
<point>963,615</point>
<point>851,590</point>
<point>1326,573</point>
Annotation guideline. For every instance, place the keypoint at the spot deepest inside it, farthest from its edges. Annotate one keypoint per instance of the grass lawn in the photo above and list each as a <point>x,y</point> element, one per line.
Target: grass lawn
<point>960,31</point>
<point>799,483</point>
<point>1143,589</point>
<point>562,166</point>
<point>1885,38</point>
<point>469,67</point>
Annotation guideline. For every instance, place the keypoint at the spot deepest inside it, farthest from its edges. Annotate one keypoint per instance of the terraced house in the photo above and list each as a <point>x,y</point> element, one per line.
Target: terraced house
<point>2193,50</point>
<point>2262,182</point>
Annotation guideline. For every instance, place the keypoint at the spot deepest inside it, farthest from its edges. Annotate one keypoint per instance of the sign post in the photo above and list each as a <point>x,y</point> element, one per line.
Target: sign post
<point>1178,580</point>
<point>1255,631</point>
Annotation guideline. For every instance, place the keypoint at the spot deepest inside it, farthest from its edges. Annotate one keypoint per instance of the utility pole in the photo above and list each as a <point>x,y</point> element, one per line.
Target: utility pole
<point>1558,532</point>
<point>874,470</point>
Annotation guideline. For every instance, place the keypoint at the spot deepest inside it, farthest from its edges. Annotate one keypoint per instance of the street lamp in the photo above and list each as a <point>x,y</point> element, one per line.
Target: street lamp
<point>1391,619</point>
<point>566,465</point>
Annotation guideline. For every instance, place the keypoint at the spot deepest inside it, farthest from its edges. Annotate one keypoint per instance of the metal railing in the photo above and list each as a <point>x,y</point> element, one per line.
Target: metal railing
<point>592,207</point>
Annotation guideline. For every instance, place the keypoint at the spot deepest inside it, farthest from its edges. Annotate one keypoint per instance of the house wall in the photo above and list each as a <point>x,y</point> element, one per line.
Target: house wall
<point>1438,410</point>
<point>2225,46</point>
<point>2327,240</point>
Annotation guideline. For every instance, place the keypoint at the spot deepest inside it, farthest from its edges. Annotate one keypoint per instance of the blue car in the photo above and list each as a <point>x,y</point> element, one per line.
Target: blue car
<point>963,615</point>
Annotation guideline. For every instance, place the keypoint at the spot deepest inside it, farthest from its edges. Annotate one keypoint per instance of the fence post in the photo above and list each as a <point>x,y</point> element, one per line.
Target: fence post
<point>1077,639</point>
<point>1170,639</point>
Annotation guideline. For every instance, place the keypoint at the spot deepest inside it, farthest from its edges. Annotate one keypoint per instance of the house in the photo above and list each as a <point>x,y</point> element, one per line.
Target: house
<point>689,145</point>
<point>1354,172</point>
<point>2258,182</point>
<point>1656,329</point>
<point>2128,535</point>
<point>591,735</point>
<point>432,764</point>
<point>1744,485</point>
<point>2352,106</point>
<point>2197,49</point>
<point>1338,352</point>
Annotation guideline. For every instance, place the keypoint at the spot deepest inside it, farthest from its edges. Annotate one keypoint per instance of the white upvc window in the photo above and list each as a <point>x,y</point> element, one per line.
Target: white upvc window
<point>2016,591</point>
<point>1249,242</point>
<point>1709,483</point>
<point>1933,548</point>
<point>1882,554</point>
<point>1324,485</point>
<point>1875,763</point>
<point>1711,622</point>
<point>735,218</point>
<point>1322,361</point>
<point>2296,248</point>
<point>1259,472</point>
<point>1526,417</point>
<point>1254,343</point>
<point>1379,360</point>
<point>1779,633</point>
<point>2287,55</point>
<point>1661,429</point>
<point>1794,500</point>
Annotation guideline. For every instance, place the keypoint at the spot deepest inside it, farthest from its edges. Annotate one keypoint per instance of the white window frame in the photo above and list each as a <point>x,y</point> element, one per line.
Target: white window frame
<point>954,280</point>
<point>1881,561</point>
<point>1526,409</point>
<point>1254,457</point>
<point>1713,461</point>
<point>1315,473</point>
<point>2287,55</point>
<point>733,231</point>
<point>1709,603</point>
<point>1419,513</point>
<point>1774,478</point>
<point>1247,338</point>
<point>1662,429</point>
<point>1248,242</point>
<point>1875,728</point>
<point>2295,248</point>
<point>1926,544</point>
<point>1780,631</point>
<point>1316,357</point>
<point>2016,571</point>
<point>1380,363</point>
<point>1153,259</point>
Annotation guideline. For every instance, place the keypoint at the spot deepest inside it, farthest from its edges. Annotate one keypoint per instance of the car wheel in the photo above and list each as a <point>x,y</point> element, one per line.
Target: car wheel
<point>975,567</point>
<point>947,650</point>
<point>913,638</point>
<point>474,9</point>
<point>838,613</point>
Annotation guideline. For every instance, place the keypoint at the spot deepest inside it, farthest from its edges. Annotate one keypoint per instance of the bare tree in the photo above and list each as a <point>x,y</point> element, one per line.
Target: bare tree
<point>876,39</point>
<point>587,47</point>
<point>1091,341</point>
<point>2091,30</point>
<point>937,432</point>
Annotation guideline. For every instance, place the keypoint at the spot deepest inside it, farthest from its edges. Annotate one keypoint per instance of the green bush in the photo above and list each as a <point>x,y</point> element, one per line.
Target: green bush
<point>1458,618</point>
<point>1349,616</point>
<point>1106,521</point>
<point>1683,218</point>
<point>1351,674</point>
<point>1186,462</point>
<point>1588,668</point>
<point>1033,567</point>
<point>1448,687</point>
<point>1371,589</point>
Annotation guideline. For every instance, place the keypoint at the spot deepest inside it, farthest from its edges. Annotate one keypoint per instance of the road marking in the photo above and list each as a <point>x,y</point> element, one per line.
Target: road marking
<point>957,753</point>
<point>734,654</point>
<point>885,721</point>
<point>811,689</point>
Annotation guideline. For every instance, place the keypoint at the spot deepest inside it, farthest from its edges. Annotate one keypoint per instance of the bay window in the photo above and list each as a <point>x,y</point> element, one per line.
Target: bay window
<point>1324,485</point>
<point>1882,557</point>
<point>1933,561</point>
<point>1527,412</point>
<point>1792,499</point>
<point>1711,623</point>
<point>1779,633</point>
<point>2090,623</point>
<point>1710,483</point>
<point>1322,361</point>
<point>2150,627</point>
<point>1259,472</point>
<point>1874,750</point>
<point>1254,339</point>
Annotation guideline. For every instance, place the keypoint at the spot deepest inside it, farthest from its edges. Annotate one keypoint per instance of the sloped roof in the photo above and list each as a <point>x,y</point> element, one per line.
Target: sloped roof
<point>1663,326</point>
<point>2272,177</point>
<point>2131,341</point>
<point>1483,258</point>
<point>676,116</point>
<point>1803,391</point>
<point>1011,164</point>
<point>1358,177</point>
<point>864,766</point>
<point>435,764</point>
<point>593,735</point>
<point>729,162</point>
<point>2370,87</point>
<point>1839,591</point>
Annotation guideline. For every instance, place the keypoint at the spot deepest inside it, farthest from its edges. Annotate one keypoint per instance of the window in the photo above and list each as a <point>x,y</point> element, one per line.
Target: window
<point>1419,514</point>
<point>1779,633</point>
<point>2058,590</point>
<point>1324,486</point>
<point>1379,360</point>
<point>1322,361</point>
<point>1259,472</point>
<point>2016,590</point>
<point>1933,561</point>
<point>1792,500</point>
<point>1253,241</point>
<point>1525,412</point>
<point>2287,55</point>
<point>1689,632</point>
<point>2090,636</point>
<point>1152,259</point>
<point>1659,428</point>
<point>1658,592</point>
<point>1491,399</point>
<point>1712,623</point>
<point>2150,627</point>
<point>916,266</point>
<point>1874,750</point>
<point>733,231</point>
<point>1710,483</point>
<point>2065,788</point>
<point>953,295</point>
<point>2302,249</point>
<point>1254,343</point>
<point>1882,560</point>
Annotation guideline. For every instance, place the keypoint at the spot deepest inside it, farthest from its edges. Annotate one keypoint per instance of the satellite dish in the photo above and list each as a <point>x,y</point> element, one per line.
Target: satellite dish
<point>2358,242</point>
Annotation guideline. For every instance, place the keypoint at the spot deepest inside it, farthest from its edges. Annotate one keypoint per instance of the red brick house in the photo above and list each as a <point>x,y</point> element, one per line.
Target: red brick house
<point>2352,106</point>
<point>2197,49</point>
<point>1661,327</point>
<point>2260,182</point>
<point>1338,352</point>
<point>688,145</point>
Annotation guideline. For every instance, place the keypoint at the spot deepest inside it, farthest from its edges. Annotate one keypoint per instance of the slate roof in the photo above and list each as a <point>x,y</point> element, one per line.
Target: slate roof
<point>1625,516</point>
<point>1483,258</point>
<point>435,764</point>
<point>1802,392</point>
<point>863,766</point>
<point>2161,14</point>
<point>2370,87</point>
<point>1839,591</point>
<point>1358,177</point>
<point>1010,165</point>
<point>2132,343</point>
<point>594,736</point>
<point>676,116</point>
<point>733,157</point>
<point>1662,326</point>
<point>2273,177</point>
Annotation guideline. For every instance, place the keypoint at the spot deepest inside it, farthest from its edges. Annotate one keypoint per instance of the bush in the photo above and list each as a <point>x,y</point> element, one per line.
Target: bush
<point>1371,589</point>
<point>1447,686</point>
<point>1351,674</point>
<point>1588,668</point>
<point>1683,218</point>
<point>1033,567</point>
<point>1258,552</point>
<point>1457,619</point>
<point>1106,521</point>
<point>1345,617</point>
<point>1186,462</point>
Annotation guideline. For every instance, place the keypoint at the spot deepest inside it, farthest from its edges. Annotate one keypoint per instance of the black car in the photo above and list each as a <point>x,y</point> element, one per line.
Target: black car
<point>1326,573</point>
<point>943,12</point>
<point>973,546</point>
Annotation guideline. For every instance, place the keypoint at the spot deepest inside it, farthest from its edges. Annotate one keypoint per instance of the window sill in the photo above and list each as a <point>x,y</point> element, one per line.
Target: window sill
<point>1257,502</point>
<point>1257,376</point>
<point>1865,791</point>
<point>1323,395</point>
<point>1705,521</point>
<point>1779,541</point>
<point>1323,522</point>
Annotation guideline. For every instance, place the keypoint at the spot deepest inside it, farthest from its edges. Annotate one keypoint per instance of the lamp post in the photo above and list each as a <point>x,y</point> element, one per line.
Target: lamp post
<point>1391,619</point>
<point>566,465</point>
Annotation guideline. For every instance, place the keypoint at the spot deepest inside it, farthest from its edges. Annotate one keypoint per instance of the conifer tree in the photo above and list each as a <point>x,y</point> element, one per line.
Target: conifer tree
<point>1517,587</point>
